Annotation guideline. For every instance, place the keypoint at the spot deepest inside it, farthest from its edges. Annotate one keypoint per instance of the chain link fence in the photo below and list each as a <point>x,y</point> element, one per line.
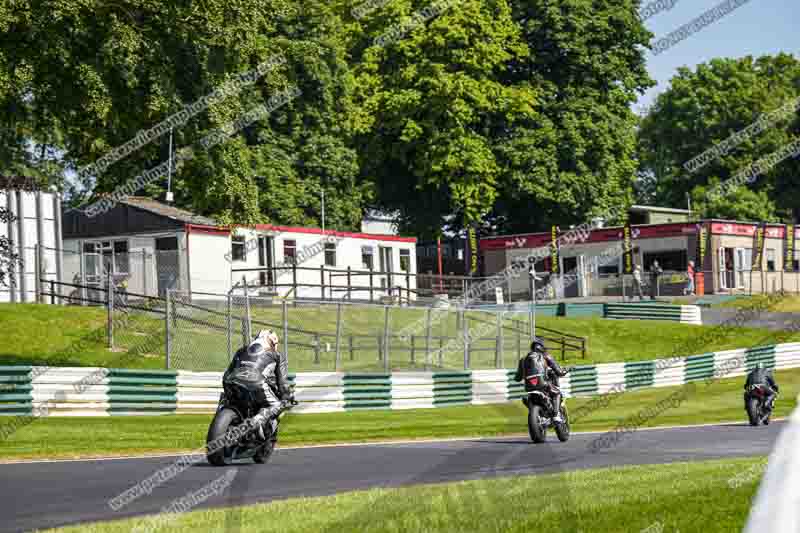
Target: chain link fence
<point>205,330</point>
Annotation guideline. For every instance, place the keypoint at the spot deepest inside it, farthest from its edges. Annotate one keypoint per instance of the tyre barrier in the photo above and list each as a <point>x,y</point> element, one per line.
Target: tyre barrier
<point>68,391</point>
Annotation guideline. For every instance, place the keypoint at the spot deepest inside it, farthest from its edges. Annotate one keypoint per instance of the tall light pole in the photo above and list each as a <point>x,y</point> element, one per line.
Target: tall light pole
<point>169,196</point>
<point>323,212</point>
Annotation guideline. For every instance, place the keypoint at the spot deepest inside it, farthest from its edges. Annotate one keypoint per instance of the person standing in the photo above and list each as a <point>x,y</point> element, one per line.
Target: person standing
<point>690,282</point>
<point>637,282</point>
<point>655,272</point>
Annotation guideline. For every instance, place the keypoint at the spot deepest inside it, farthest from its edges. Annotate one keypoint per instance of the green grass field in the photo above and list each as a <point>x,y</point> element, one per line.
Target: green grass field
<point>789,304</point>
<point>685,497</point>
<point>75,336</point>
<point>63,437</point>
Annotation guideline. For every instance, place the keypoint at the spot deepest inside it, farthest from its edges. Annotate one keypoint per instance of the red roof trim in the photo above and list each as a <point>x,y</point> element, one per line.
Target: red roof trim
<point>215,230</point>
<point>318,231</point>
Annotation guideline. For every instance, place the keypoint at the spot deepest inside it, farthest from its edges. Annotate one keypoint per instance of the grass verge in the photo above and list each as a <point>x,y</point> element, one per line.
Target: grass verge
<point>49,335</point>
<point>720,401</point>
<point>789,304</point>
<point>686,497</point>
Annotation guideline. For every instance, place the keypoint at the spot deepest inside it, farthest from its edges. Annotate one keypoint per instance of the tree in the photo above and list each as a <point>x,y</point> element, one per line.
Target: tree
<point>88,75</point>
<point>702,108</point>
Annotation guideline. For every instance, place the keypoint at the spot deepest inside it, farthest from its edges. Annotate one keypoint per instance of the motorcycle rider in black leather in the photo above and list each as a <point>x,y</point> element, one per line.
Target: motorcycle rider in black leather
<point>262,356</point>
<point>553,372</point>
<point>761,375</point>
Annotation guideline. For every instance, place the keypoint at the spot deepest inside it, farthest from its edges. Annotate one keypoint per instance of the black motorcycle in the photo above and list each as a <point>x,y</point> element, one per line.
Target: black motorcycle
<point>542,411</point>
<point>234,431</point>
<point>755,403</point>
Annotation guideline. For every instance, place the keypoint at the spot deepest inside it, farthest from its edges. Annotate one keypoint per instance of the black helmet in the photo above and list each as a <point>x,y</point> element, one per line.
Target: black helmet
<point>537,345</point>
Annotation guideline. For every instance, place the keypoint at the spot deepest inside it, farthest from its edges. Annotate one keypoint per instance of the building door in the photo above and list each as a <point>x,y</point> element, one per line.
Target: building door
<point>93,271</point>
<point>569,273</point>
<point>583,278</point>
<point>739,265</point>
<point>266,277</point>
<point>723,279</point>
<point>385,257</point>
<point>167,264</point>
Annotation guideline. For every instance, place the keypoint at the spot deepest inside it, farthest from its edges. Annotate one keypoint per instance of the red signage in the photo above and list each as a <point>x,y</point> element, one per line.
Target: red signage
<point>746,230</point>
<point>536,240</point>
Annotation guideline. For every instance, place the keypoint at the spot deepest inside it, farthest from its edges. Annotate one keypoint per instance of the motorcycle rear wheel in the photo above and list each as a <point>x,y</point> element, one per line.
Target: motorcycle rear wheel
<point>537,432</point>
<point>753,411</point>
<point>223,420</point>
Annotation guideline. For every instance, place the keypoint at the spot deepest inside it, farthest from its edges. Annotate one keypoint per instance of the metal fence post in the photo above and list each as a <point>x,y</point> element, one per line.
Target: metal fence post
<point>322,281</point>
<point>386,338</point>
<point>316,349</point>
<point>465,337</point>
<point>441,352</point>
<point>144,272</point>
<point>412,349</point>
<point>338,334</point>
<point>167,318</point>
<point>285,316</point>
<point>519,345</point>
<point>52,292</point>
<point>428,338</point>
<point>349,284</point>
<point>350,345</point>
<point>110,306</point>
<point>229,324</point>
<point>37,269</point>
<point>247,330</point>
<point>498,356</point>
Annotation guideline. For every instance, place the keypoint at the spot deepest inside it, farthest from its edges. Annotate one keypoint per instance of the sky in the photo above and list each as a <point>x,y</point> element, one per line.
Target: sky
<point>758,27</point>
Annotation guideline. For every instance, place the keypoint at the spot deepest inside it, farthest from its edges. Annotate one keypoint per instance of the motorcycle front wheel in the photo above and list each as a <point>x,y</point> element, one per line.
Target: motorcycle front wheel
<point>224,420</point>
<point>535,428</point>
<point>562,429</point>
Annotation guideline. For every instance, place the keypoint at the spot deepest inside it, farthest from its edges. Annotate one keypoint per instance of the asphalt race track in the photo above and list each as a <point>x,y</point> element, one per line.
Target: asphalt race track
<point>49,494</point>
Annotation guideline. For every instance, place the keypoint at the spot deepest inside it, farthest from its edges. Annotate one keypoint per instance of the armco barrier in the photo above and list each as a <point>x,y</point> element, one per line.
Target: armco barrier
<point>686,314</point>
<point>103,392</point>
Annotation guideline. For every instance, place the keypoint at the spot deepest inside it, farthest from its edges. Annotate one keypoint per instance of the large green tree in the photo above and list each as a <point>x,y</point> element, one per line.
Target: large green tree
<point>88,75</point>
<point>701,109</point>
<point>502,112</point>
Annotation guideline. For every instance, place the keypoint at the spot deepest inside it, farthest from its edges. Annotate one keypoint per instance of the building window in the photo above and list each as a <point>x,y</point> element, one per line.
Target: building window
<point>289,251</point>
<point>405,260</point>
<point>796,265</point>
<point>770,260</point>
<point>367,257</point>
<point>330,254</point>
<point>238,248</point>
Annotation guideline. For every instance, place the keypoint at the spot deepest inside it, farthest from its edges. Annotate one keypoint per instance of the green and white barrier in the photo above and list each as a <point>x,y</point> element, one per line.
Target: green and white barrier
<point>104,392</point>
<point>685,314</point>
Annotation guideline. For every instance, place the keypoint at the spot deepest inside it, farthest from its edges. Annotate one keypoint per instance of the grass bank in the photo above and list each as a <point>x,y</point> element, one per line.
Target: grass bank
<point>75,336</point>
<point>686,497</point>
<point>68,437</point>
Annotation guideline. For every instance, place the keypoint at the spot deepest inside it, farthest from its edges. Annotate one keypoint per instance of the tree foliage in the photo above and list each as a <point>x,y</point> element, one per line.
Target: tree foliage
<point>702,108</point>
<point>513,114</point>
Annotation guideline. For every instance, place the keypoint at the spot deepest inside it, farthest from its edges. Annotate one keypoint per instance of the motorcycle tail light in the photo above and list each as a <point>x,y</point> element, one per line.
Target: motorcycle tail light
<point>534,380</point>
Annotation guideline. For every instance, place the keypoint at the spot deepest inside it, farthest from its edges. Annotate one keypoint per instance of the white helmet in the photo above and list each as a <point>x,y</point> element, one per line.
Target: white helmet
<point>269,338</point>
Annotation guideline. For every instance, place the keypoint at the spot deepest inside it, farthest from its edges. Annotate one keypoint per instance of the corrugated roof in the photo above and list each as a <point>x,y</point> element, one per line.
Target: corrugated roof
<point>166,210</point>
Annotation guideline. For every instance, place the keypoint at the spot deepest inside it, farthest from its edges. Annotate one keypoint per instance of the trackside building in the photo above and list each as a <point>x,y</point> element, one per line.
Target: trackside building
<point>153,246</point>
<point>730,263</point>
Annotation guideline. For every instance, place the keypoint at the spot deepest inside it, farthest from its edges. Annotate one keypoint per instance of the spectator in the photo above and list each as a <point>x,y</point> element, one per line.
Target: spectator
<point>655,272</point>
<point>637,282</point>
<point>690,282</point>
